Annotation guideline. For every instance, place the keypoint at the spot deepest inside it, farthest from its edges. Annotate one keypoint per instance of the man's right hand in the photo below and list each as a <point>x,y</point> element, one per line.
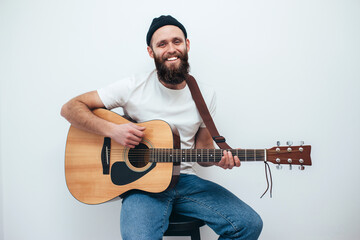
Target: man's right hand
<point>128,135</point>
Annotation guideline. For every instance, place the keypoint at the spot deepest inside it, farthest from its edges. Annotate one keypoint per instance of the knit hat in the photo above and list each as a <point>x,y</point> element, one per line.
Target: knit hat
<point>160,22</point>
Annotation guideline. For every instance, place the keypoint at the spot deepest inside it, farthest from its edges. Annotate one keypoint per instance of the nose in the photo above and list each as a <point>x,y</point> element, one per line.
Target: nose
<point>171,48</point>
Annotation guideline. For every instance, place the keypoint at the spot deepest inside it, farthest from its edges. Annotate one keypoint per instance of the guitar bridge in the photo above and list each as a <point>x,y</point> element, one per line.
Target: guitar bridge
<point>105,155</point>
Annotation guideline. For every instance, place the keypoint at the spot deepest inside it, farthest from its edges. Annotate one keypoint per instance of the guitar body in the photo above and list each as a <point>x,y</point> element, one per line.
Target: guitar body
<point>86,155</point>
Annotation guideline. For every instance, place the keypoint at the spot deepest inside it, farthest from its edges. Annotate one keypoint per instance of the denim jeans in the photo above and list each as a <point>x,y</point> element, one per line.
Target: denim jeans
<point>145,216</point>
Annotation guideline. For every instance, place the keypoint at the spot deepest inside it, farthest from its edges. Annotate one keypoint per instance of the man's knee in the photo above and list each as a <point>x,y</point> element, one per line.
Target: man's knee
<point>254,227</point>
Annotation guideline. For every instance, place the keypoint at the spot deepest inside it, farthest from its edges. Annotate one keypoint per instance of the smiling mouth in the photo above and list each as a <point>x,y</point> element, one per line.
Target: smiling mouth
<point>172,59</point>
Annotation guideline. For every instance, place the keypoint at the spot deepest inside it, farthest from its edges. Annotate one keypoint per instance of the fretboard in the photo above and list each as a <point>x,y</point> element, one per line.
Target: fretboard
<point>202,155</point>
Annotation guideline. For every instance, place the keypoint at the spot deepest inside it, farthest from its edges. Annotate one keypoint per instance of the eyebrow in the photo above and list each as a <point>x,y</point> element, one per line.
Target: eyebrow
<point>173,39</point>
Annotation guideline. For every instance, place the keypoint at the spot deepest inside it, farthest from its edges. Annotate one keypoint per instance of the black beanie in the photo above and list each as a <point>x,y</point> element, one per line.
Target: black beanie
<point>160,22</point>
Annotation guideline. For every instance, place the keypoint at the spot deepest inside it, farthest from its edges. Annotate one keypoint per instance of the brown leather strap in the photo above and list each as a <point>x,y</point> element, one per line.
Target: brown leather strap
<point>204,112</point>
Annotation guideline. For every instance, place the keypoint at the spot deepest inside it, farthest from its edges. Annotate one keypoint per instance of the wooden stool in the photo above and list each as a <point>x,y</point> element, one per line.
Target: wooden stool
<point>181,225</point>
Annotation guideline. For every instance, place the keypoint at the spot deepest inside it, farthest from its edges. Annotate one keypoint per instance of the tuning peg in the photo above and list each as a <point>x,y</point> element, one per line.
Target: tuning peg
<point>278,167</point>
<point>289,143</point>
<point>290,167</point>
<point>301,167</point>
<point>278,143</point>
<point>302,143</point>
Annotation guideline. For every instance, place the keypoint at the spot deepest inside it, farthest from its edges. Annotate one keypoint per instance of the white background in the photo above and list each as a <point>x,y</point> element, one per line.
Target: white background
<point>283,70</point>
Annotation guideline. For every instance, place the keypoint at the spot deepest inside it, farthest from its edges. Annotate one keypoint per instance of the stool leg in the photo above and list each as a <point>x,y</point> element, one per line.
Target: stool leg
<point>195,234</point>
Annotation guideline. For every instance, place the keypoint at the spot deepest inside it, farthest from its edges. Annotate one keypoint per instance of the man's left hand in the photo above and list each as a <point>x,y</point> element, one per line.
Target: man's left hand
<point>228,161</point>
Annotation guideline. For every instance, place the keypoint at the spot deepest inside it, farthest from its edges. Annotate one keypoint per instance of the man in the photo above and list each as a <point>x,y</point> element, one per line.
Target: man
<point>163,94</point>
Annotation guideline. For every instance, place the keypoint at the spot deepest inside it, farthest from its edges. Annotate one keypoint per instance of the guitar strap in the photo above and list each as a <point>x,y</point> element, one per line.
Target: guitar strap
<point>204,113</point>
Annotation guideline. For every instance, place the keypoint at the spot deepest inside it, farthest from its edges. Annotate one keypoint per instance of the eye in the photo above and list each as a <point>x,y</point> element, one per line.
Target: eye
<point>161,44</point>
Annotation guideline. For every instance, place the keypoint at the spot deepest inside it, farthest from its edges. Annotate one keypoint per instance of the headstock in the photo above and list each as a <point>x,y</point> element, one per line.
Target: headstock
<point>291,155</point>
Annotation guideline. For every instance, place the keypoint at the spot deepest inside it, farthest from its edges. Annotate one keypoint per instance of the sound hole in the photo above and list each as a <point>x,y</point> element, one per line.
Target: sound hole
<point>139,156</point>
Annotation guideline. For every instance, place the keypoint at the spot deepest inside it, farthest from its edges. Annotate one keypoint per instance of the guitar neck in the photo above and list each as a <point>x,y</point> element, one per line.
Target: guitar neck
<point>203,155</point>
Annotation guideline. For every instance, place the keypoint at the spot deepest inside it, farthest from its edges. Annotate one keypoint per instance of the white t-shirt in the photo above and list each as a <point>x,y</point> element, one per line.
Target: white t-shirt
<point>144,98</point>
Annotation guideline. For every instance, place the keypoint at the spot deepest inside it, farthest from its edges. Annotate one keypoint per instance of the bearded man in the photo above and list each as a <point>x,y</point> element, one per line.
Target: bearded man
<point>164,94</point>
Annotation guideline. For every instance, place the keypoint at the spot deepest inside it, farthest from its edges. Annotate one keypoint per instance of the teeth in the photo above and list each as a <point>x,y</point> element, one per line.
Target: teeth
<point>172,59</point>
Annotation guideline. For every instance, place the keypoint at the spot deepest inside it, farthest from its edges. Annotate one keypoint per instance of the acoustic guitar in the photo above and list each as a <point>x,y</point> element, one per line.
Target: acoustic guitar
<point>98,169</point>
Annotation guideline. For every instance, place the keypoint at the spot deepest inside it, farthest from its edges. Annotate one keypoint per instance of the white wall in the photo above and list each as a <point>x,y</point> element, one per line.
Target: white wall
<point>283,70</point>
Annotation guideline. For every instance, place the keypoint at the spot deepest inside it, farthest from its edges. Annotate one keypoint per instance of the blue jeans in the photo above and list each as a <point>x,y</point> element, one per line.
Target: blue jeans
<point>145,216</point>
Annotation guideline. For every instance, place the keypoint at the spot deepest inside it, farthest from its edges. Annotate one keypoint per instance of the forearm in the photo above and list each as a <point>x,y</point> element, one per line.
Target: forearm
<point>206,164</point>
<point>204,141</point>
<point>79,113</point>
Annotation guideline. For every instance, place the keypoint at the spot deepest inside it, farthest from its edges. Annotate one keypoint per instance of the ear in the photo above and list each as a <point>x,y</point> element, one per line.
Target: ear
<point>150,51</point>
<point>188,45</point>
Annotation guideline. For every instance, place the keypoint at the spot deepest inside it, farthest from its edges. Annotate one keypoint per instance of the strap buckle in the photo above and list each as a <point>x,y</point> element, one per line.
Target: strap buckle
<point>219,139</point>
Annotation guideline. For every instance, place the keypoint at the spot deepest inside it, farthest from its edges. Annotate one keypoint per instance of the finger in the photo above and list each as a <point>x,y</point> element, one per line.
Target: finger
<point>130,144</point>
<point>138,127</point>
<point>226,159</point>
<point>237,161</point>
<point>137,132</point>
<point>134,138</point>
<point>222,162</point>
<point>230,160</point>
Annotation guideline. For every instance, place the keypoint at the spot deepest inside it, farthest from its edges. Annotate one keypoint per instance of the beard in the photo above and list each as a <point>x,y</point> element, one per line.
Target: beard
<point>172,75</point>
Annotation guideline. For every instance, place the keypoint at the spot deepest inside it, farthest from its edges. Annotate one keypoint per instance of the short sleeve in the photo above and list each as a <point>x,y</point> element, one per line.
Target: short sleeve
<point>116,94</point>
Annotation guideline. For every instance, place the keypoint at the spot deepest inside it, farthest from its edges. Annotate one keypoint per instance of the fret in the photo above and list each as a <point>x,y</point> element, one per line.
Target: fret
<point>260,155</point>
<point>252,155</point>
<point>234,152</point>
<point>245,154</point>
<point>191,156</point>
<point>241,154</point>
<point>168,153</point>
<point>219,155</point>
<point>210,155</point>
